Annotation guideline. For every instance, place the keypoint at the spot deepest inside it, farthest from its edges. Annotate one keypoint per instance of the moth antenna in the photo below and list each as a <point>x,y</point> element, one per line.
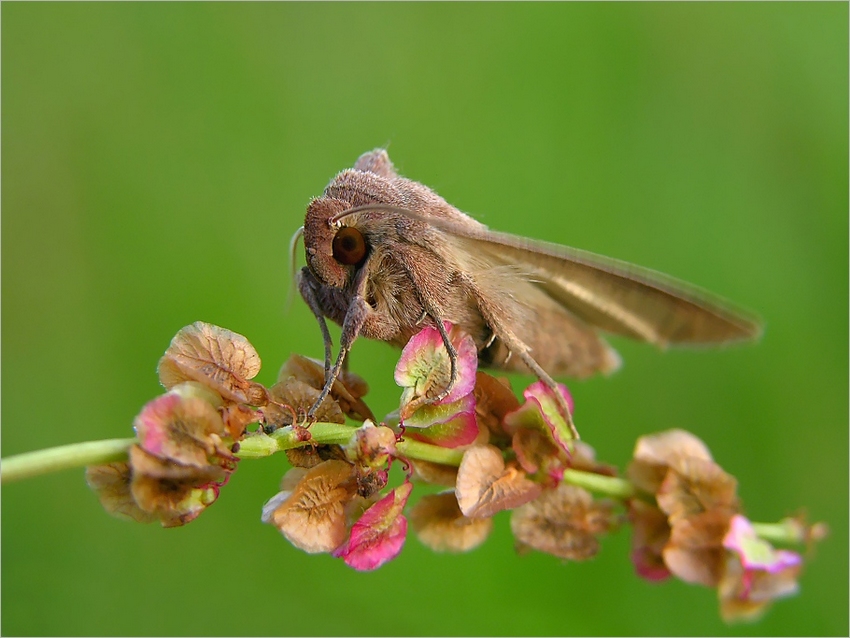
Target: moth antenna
<point>292,267</point>
<point>336,219</point>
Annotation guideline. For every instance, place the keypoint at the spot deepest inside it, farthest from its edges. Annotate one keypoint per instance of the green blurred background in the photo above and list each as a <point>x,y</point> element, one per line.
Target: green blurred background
<point>156,159</point>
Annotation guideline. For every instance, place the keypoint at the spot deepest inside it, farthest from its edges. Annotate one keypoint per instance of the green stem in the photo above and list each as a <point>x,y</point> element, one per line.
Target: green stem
<point>607,485</point>
<point>424,452</point>
<point>55,459</point>
<point>791,531</point>
<point>259,445</point>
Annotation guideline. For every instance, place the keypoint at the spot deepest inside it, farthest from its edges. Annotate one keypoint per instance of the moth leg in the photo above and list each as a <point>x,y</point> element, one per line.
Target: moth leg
<point>306,286</point>
<point>355,317</point>
<point>450,349</point>
<point>452,352</point>
<point>428,310</point>
<point>515,344</point>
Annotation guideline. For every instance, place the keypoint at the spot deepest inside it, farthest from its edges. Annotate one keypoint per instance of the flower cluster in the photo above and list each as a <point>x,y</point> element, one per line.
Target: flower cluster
<point>696,532</point>
<point>455,427</point>
<point>186,437</point>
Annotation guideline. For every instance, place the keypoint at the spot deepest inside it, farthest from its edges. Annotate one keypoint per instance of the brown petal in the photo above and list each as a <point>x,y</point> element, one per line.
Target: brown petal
<point>300,397</point>
<point>146,464</point>
<point>187,430</point>
<point>493,400</point>
<point>655,454</point>
<point>646,477</point>
<point>175,493</point>
<point>564,522</point>
<point>216,357</point>
<point>441,526</point>
<point>650,534</point>
<point>311,455</point>
<point>697,485</point>
<point>696,566</point>
<point>313,516</point>
<point>705,529</point>
<point>306,456</point>
<point>663,447</point>
<point>346,390</point>
<point>112,484</point>
<point>485,486</point>
<point>435,473</point>
<point>695,550</point>
<point>237,418</point>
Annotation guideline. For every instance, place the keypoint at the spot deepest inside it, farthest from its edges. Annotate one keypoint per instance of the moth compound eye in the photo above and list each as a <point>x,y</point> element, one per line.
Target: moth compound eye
<point>349,246</point>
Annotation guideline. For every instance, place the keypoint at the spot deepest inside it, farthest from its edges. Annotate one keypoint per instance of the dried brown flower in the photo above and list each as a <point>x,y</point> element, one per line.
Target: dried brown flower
<point>218,358</point>
<point>112,482</point>
<point>440,525</point>
<point>564,522</point>
<point>347,391</point>
<point>312,514</point>
<point>174,493</point>
<point>486,486</point>
<point>291,398</point>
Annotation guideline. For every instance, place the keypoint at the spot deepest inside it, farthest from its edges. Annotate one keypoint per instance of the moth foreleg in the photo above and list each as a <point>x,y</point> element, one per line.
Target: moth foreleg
<point>306,286</point>
<point>355,316</point>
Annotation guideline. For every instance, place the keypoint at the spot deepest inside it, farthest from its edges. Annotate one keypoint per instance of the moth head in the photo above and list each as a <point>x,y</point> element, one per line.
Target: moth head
<point>334,251</point>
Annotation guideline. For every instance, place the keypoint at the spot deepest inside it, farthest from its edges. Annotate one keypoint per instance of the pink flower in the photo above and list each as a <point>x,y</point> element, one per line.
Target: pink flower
<point>756,573</point>
<point>379,534</point>
<point>540,411</point>
<point>424,368</point>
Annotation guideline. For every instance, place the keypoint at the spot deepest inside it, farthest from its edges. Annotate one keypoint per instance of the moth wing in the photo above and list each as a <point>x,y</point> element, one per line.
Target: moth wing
<point>612,295</point>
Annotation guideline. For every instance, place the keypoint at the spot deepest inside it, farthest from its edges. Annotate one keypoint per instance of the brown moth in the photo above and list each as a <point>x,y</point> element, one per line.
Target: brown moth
<point>387,255</point>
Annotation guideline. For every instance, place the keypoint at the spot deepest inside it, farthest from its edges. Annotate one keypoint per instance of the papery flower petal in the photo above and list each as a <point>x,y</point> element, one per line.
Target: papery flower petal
<point>486,486</point>
<point>193,389</point>
<point>312,514</point>
<point>379,534</point>
<point>448,425</point>
<point>346,391</point>
<point>184,429</point>
<point>564,522</point>
<point>435,414</point>
<point>112,483</point>
<point>461,430</point>
<point>237,417</point>
<point>290,399</point>
<point>696,485</point>
<point>695,553</point>
<point>650,533</point>
<point>176,494</point>
<point>424,368</point>
<point>664,447</point>
<point>654,455</point>
<point>216,357</point>
<point>533,448</point>
<point>435,473</point>
<point>494,398</point>
<point>440,525</point>
<point>541,410</point>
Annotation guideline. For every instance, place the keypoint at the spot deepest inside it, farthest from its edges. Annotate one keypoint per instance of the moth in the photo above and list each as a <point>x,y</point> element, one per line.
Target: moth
<point>387,255</point>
